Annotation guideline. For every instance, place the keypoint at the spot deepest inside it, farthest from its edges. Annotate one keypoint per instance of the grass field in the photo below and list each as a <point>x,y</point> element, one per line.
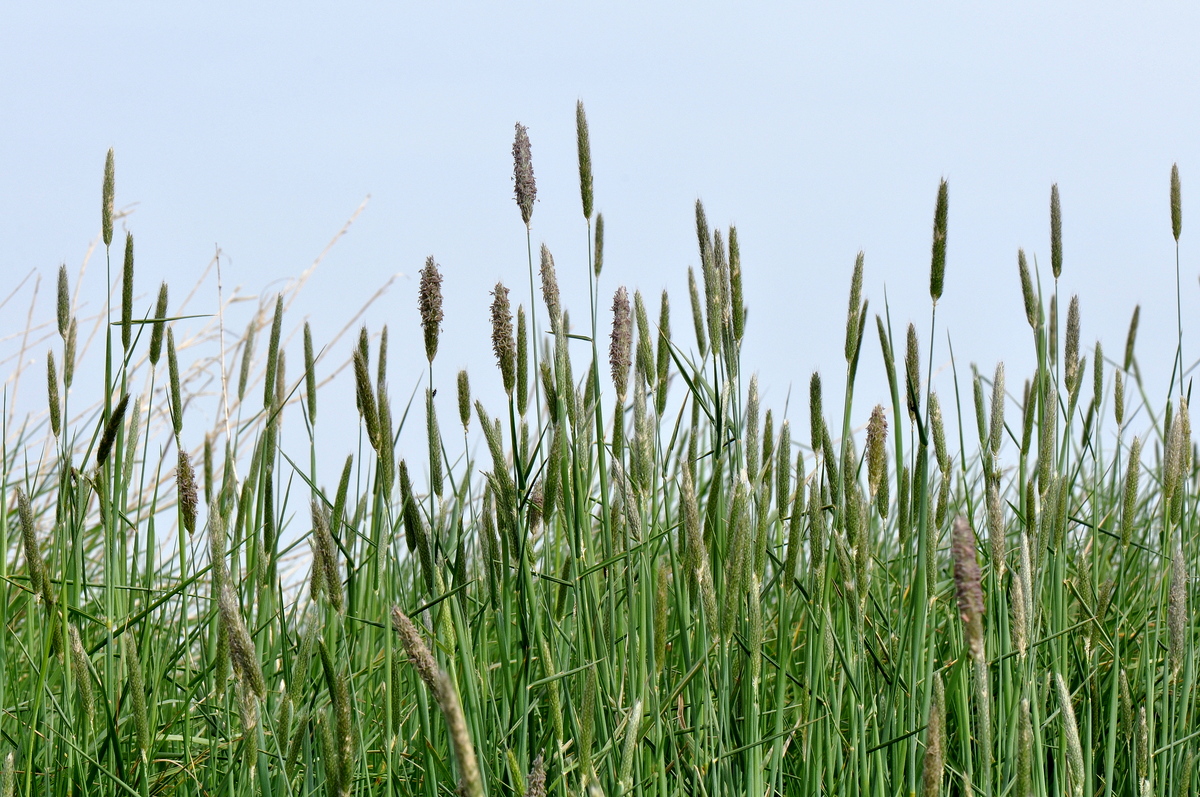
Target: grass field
<point>648,583</point>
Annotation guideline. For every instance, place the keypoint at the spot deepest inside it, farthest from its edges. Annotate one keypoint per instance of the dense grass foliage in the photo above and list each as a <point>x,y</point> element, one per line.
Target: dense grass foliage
<point>648,583</point>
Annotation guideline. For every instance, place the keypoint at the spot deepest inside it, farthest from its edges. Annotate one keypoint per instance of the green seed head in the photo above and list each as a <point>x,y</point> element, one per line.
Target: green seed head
<point>912,374</point>
<point>1131,338</point>
<point>1071,353</point>
<point>522,362</point>
<point>64,302</point>
<point>621,349</point>
<point>525,188</point>
<point>1129,501</point>
<point>81,671</point>
<point>735,286</point>
<point>939,433</point>
<point>156,334</point>
<point>1027,290</point>
<point>269,386</point>
<point>663,362</point>
<point>935,741</point>
<point>1176,203</point>
<point>997,419</point>
<point>464,399</point>
<point>816,417</point>
<point>853,319</point>
<point>127,295</point>
<point>937,271</point>
<point>877,429</point>
<point>1055,232</point>
<point>697,313</point>
<point>106,199</point>
<point>585,159</point>
<point>185,479</point>
<point>366,398</point>
<point>550,289</point>
<point>109,437</point>
<point>52,391</point>
<point>598,249</point>
<point>310,374</point>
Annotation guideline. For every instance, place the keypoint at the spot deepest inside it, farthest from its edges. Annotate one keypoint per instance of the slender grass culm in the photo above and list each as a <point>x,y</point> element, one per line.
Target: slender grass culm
<point>650,583</point>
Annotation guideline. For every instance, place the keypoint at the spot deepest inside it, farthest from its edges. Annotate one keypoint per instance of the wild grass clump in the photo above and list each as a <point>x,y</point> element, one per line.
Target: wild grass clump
<point>647,585</point>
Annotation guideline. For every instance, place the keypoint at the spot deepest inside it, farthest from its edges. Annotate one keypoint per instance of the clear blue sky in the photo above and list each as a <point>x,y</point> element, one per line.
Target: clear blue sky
<point>817,130</point>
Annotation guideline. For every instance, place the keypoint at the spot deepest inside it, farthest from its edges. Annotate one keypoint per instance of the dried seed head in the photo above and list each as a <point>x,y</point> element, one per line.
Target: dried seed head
<point>1131,338</point>
<point>1176,203</point>
<point>550,289</point>
<point>877,429</point>
<point>464,399</point>
<point>1071,355</point>
<point>185,479</point>
<point>912,374</point>
<point>967,585</point>
<point>620,351</point>
<point>735,286</point>
<point>502,337</point>
<point>52,392</point>
<point>107,196</point>
<point>598,248</point>
<point>525,188</point>
<point>997,419</point>
<point>127,295</point>
<point>429,302</point>
<point>937,272</point>
<point>1177,609</point>
<point>585,159</point>
<point>1055,232</point>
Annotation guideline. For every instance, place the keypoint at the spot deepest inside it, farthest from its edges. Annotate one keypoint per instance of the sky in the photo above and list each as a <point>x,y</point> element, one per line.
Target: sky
<point>819,129</point>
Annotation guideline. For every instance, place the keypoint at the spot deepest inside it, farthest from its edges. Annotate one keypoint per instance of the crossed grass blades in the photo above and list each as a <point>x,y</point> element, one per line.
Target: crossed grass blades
<point>654,586</point>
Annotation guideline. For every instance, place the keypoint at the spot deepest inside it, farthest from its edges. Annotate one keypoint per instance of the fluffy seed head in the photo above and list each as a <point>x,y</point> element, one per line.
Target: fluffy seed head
<point>81,672</point>
<point>430,304</point>
<point>185,479</point>
<point>522,362</point>
<point>621,349</point>
<point>366,397</point>
<point>550,289</point>
<point>242,654</point>
<point>1176,203</point>
<point>503,343</point>
<point>815,415</point>
<point>937,271</point>
<point>108,193</point>
<point>33,553</point>
<point>418,652</point>
<point>1055,232</point>
<point>939,434</point>
<point>967,585</point>
<point>1071,727</point>
<point>525,188</point>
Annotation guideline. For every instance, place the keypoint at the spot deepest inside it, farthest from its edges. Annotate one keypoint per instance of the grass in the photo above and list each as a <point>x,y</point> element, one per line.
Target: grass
<point>652,585</point>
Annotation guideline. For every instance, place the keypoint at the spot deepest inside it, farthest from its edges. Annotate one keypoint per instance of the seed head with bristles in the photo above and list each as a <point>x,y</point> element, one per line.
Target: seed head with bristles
<point>525,188</point>
<point>937,271</point>
<point>80,671</point>
<point>620,352</point>
<point>584,147</point>
<point>1176,203</point>
<point>418,652</point>
<point>185,479</point>
<point>241,647</point>
<point>1075,770</point>
<point>877,429</point>
<point>107,196</point>
<point>1027,291</point>
<point>503,343</point>
<point>430,304</point>
<point>1055,232</point>
<point>550,289</point>
<point>967,585</point>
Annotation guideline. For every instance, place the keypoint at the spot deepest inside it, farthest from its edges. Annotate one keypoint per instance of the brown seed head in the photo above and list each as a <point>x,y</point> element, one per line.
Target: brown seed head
<point>430,304</point>
<point>967,585</point>
<point>620,352</point>
<point>185,479</point>
<point>525,188</point>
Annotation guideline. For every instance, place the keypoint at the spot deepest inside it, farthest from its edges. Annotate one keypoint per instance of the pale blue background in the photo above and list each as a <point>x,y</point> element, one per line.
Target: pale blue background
<point>819,130</point>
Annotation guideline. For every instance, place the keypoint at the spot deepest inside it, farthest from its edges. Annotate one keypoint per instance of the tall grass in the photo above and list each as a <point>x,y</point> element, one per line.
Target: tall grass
<point>656,586</point>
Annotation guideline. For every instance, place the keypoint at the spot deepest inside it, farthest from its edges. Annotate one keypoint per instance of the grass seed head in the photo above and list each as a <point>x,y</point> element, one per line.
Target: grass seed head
<point>1131,337</point>
<point>366,398</point>
<point>598,247</point>
<point>109,437</point>
<point>464,399</point>
<point>550,292</point>
<point>877,429</point>
<point>735,286</point>
<point>107,197</point>
<point>522,362</point>
<point>525,187</point>
<point>1176,203</point>
<point>81,672</point>
<point>697,313</point>
<point>935,741</point>
<point>503,344</point>
<point>310,374</point>
<point>621,349</point>
<point>939,434</point>
<point>663,361</point>
<point>1129,501</point>
<point>127,295</point>
<point>1075,771</point>
<point>912,373</point>
<point>996,426</point>
<point>937,271</point>
<point>967,585</point>
<point>1177,609</point>
<point>185,479</point>
<point>1071,353</point>
<point>1032,310</point>
<point>64,302</point>
<point>1055,232</point>
<point>247,357</point>
<point>854,313</point>
<point>269,384</point>
<point>430,305</point>
<point>584,148</point>
<point>52,393</point>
